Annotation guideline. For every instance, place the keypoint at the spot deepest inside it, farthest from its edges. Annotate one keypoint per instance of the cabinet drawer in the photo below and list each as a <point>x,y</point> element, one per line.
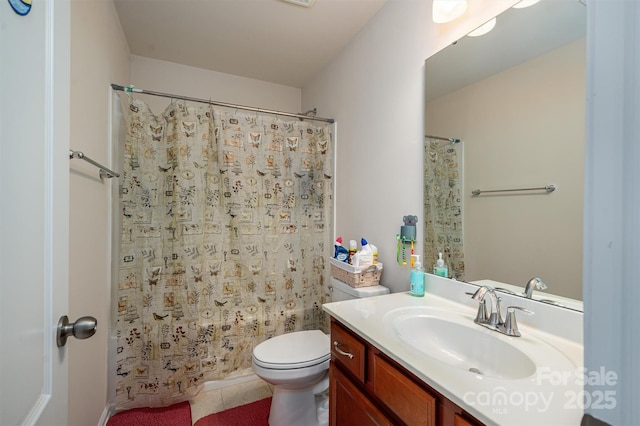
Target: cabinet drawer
<point>348,351</point>
<point>410,402</point>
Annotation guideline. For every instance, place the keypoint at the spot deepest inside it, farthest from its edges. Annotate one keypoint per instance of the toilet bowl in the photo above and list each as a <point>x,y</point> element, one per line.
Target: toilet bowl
<point>297,365</point>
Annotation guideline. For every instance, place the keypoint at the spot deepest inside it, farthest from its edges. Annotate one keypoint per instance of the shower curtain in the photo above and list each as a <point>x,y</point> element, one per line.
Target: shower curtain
<point>443,206</point>
<point>226,224</point>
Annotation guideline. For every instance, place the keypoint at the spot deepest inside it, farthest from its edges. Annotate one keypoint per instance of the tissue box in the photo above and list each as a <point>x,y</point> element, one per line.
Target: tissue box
<point>356,276</point>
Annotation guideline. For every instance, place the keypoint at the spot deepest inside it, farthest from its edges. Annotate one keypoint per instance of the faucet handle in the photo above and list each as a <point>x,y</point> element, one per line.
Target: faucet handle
<point>510,325</point>
<point>511,309</point>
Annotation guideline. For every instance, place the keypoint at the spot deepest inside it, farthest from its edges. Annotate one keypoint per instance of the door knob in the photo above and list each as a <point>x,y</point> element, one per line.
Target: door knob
<point>83,328</point>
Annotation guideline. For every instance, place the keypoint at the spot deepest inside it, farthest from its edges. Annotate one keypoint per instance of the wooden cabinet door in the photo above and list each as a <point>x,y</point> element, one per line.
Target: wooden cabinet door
<point>411,403</point>
<point>458,420</point>
<point>348,406</point>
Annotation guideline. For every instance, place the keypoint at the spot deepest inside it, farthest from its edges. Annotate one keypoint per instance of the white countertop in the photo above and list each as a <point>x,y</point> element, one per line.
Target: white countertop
<point>544,398</point>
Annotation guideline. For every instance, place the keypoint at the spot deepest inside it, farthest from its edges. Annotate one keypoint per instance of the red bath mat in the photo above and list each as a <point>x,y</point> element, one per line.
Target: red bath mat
<point>173,415</point>
<point>253,414</point>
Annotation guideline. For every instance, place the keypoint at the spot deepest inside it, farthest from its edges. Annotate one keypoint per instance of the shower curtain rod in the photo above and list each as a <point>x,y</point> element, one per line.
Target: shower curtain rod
<point>130,89</point>
<point>440,138</point>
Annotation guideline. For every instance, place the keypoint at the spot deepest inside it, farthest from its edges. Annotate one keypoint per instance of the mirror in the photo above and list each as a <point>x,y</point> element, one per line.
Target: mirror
<point>515,97</point>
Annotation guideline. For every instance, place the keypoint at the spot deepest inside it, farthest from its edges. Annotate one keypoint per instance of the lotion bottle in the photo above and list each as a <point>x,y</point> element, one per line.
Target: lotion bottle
<point>417,278</point>
<point>440,268</point>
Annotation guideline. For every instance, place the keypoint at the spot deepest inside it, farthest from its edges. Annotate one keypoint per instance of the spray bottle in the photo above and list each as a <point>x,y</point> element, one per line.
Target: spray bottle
<point>353,249</point>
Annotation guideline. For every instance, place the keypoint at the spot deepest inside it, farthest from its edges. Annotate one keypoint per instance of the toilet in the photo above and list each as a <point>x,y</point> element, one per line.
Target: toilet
<point>297,365</point>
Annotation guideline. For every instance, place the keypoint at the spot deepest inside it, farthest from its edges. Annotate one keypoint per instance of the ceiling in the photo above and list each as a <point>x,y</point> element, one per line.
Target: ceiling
<point>519,35</point>
<point>269,40</point>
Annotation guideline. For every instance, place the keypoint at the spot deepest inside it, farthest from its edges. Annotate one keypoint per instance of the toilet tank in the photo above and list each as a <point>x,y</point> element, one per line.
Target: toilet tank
<point>343,291</point>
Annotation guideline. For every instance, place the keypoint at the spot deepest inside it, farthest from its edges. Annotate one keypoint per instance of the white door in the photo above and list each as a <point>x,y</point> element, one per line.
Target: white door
<point>34,210</point>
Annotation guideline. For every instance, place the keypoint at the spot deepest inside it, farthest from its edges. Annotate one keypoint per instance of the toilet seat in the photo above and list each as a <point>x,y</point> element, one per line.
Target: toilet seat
<point>299,349</point>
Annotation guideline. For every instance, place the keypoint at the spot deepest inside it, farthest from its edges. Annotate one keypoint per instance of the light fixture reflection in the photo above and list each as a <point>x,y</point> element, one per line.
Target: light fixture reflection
<point>483,29</point>
<point>525,3</point>
<point>448,10</point>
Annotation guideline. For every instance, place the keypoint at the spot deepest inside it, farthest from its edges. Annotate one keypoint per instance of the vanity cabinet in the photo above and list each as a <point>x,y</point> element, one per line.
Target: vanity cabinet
<point>368,388</point>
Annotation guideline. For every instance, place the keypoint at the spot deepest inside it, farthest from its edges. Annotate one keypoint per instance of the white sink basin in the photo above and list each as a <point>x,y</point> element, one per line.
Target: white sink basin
<point>457,341</point>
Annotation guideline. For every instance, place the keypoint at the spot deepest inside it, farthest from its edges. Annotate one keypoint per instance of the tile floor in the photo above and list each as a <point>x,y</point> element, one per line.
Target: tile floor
<point>216,400</point>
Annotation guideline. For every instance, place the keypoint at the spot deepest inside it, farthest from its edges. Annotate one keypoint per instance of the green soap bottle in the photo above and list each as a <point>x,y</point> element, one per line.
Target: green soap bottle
<point>417,278</point>
<point>440,268</point>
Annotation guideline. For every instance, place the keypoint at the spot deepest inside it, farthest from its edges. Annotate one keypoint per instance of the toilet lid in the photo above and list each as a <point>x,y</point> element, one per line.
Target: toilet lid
<point>293,350</point>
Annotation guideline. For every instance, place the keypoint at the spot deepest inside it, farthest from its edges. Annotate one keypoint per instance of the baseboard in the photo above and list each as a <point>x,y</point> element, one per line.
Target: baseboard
<point>220,384</point>
<point>104,418</point>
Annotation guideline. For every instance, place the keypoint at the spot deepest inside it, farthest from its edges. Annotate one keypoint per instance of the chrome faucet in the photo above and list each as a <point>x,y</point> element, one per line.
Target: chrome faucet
<point>533,283</point>
<point>493,318</point>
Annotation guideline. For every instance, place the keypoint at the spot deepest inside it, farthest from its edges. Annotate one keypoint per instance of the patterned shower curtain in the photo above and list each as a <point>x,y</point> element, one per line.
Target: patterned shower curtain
<point>226,224</point>
<point>443,206</point>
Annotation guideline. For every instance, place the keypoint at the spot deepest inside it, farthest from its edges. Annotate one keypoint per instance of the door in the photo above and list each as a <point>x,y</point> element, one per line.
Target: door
<point>34,210</point>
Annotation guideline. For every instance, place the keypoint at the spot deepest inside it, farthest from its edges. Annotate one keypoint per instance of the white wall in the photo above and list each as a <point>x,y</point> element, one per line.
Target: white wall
<point>612,210</point>
<point>522,128</point>
<point>375,91</point>
<point>169,77</point>
<point>99,56</point>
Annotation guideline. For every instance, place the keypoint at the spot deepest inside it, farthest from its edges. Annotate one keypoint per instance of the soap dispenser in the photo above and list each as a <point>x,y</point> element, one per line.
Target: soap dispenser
<point>440,268</point>
<point>417,278</point>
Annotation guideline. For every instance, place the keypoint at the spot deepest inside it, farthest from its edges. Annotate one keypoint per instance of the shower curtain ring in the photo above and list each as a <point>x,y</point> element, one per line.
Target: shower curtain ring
<point>128,90</point>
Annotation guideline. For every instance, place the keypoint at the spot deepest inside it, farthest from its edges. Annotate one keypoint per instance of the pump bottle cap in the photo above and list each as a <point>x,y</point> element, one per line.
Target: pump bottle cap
<point>440,261</point>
